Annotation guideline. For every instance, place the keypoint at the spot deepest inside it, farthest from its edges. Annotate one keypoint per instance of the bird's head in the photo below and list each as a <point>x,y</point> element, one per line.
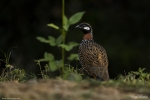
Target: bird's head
<point>85,28</point>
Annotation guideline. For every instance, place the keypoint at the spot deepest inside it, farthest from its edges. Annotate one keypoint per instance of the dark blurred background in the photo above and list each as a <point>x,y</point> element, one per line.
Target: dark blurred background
<point>120,26</point>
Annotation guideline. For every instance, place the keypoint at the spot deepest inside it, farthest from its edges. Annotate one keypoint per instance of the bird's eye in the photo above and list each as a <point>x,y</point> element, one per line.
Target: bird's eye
<point>86,28</point>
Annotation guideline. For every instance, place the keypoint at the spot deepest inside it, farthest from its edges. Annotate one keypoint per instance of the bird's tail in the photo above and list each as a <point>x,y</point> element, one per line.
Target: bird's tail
<point>104,77</point>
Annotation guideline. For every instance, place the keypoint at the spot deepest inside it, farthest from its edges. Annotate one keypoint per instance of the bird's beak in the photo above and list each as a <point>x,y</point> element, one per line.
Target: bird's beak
<point>78,26</point>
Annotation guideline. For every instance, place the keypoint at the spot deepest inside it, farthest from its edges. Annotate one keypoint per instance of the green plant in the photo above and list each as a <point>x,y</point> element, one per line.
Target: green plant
<point>71,74</point>
<point>142,75</point>
<point>136,76</point>
<point>9,73</point>
<point>45,73</point>
<point>7,57</point>
<point>60,42</point>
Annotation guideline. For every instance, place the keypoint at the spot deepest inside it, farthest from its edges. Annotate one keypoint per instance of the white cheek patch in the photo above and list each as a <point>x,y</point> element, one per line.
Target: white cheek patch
<point>86,28</point>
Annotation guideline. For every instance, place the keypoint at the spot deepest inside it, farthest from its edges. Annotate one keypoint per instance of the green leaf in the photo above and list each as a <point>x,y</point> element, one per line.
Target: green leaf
<point>49,56</point>
<point>41,39</point>
<point>73,44</point>
<point>8,66</point>
<point>76,18</point>
<point>53,26</point>
<point>41,60</point>
<point>74,77</point>
<point>136,73</point>
<point>59,63</point>
<point>66,27</point>
<point>141,69</point>
<point>59,40</point>
<point>66,23</point>
<point>52,66</point>
<point>55,65</point>
<point>66,47</point>
<point>52,40</point>
<point>65,20</point>
<point>73,57</point>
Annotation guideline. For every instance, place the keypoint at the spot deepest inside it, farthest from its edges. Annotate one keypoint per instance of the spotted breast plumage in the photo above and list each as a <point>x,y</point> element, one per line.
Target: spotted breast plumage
<point>92,56</point>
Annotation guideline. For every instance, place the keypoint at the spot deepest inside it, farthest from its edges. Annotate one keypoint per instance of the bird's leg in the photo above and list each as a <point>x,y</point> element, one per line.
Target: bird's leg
<point>94,77</point>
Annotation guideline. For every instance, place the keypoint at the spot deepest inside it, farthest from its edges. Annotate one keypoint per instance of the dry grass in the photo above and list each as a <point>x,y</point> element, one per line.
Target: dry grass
<point>65,90</point>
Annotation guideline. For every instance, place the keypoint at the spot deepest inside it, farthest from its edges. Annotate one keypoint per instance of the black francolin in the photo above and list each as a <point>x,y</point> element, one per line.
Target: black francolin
<point>92,56</point>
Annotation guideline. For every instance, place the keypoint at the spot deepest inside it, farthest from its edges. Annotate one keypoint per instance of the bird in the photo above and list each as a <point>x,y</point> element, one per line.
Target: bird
<point>92,56</point>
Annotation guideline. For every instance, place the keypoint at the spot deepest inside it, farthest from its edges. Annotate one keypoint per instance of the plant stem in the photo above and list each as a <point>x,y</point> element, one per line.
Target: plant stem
<point>41,70</point>
<point>63,35</point>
